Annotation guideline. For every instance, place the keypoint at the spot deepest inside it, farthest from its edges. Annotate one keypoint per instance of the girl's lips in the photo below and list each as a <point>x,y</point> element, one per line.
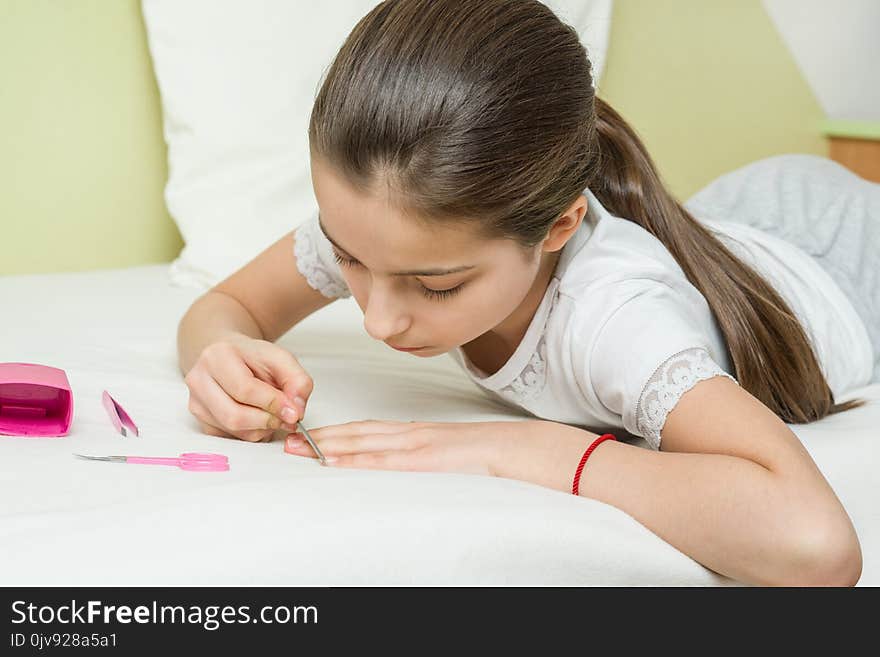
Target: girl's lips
<point>405,348</point>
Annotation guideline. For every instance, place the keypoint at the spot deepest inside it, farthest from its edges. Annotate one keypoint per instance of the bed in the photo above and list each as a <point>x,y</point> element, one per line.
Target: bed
<point>277,519</point>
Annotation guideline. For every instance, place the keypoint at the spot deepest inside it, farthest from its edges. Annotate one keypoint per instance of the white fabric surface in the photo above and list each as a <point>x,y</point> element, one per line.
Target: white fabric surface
<point>237,81</point>
<point>275,519</point>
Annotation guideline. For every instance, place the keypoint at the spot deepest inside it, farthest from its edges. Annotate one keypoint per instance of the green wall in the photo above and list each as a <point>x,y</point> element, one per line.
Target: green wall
<point>82,157</point>
<point>708,85</point>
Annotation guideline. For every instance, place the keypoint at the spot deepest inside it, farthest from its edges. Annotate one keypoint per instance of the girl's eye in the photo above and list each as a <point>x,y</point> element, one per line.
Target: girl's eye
<point>441,294</point>
<point>428,292</point>
<point>344,261</point>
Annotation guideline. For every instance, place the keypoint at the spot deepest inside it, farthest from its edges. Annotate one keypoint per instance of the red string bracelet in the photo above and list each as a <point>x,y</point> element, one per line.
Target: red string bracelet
<point>577,474</point>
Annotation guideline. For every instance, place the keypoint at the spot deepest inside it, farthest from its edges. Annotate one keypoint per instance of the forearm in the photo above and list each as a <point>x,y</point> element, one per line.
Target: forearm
<point>731,515</point>
<point>211,317</point>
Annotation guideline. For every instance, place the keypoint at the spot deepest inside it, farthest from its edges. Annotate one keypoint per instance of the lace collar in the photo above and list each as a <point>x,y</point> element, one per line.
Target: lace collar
<point>525,351</point>
<point>524,373</point>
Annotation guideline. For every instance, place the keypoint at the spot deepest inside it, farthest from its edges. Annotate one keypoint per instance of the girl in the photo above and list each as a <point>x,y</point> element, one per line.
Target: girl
<point>477,199</point>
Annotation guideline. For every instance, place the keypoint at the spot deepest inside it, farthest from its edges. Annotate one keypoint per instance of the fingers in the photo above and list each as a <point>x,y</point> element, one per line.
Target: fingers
<point>290,376</point>
<point>413,460</point>
<point>238,419</point>
<point>362,427</point>
<point>334,441</point>
<point>209,425</point>
<point>234,389</point>
<point>240,384</point>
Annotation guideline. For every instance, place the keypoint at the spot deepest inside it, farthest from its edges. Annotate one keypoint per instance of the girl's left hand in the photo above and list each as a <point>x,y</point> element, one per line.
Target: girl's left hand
<point>465,447</point>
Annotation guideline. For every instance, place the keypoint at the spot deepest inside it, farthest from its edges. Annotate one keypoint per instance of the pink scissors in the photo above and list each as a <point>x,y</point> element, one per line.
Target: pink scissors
<point>194,461</point>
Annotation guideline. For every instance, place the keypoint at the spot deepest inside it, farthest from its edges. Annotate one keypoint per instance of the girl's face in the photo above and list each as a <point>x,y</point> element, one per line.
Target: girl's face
<point>435,288</point>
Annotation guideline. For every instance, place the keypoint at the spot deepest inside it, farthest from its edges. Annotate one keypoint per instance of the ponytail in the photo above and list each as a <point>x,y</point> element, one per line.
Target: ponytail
<point>771,354</point>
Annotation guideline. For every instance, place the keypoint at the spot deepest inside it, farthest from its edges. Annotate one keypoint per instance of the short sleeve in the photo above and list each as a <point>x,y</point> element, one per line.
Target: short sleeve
<point>647,354</point>
<point>315,261</point>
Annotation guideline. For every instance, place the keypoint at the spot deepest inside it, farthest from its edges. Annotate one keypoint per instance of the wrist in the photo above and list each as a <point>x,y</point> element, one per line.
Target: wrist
<point>541,452</point>
<point>500,445</point>
<point>594,444</point>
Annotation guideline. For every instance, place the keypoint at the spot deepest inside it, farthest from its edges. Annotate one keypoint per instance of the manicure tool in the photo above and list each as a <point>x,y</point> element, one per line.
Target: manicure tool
<point>35,400</point>
<point>194,461</point>
<point>118,416</point>
<point>311,442</point>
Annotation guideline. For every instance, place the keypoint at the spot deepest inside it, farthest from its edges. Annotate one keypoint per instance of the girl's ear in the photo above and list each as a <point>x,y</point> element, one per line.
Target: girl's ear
<point>566,225</point>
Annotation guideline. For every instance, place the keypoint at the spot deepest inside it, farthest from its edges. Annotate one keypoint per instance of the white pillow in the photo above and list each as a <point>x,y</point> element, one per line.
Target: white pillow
<point>237,80</point>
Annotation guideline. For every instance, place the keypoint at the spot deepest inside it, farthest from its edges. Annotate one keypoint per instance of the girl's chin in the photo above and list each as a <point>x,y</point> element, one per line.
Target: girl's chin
<point>429,352</point>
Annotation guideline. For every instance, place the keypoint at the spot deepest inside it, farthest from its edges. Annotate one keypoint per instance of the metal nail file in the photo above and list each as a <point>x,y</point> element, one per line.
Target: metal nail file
<point>311,442</point>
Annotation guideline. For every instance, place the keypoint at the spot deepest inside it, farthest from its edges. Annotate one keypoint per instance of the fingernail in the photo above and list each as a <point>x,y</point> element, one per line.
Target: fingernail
<point>289,415</point>
<point>299,401</point>
<point>293,443</point>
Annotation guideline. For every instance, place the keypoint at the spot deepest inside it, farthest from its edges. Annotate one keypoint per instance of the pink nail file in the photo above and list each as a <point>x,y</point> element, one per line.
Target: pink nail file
<point>35,400</point>
<point>118,416</point>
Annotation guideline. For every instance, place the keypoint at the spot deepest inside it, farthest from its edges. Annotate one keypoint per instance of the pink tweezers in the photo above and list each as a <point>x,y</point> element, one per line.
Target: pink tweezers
<point>118,416</point>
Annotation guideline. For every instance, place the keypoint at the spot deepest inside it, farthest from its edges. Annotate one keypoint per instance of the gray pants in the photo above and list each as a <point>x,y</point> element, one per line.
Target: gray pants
<point>819,206</point>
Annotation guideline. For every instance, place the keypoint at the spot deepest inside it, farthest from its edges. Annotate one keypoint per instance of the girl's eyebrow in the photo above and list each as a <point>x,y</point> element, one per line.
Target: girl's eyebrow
<point>414,272</point>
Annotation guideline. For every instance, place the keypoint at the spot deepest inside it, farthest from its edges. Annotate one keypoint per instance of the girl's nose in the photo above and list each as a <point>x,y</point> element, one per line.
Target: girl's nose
<point>383,316</point>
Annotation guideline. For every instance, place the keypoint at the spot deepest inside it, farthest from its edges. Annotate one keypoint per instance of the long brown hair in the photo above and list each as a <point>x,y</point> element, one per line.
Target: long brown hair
<point>486,109</point>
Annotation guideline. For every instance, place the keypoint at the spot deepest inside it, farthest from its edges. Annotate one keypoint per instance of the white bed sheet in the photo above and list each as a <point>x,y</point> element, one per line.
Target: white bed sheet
<point>275,519</point>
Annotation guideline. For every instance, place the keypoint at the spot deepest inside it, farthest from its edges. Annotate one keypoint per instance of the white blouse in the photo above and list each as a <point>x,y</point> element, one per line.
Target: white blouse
<point>621,334</point>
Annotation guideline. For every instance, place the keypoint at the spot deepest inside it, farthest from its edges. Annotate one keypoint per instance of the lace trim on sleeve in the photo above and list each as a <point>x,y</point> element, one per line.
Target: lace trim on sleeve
<point>675,376</point>
<point>310,265</point>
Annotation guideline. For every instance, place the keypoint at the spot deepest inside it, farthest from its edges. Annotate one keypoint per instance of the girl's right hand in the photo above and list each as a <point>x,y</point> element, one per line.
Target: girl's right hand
<point>240,386</point>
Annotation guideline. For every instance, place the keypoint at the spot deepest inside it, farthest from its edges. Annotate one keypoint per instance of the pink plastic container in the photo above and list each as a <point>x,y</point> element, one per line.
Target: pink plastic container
<point>35,400</point>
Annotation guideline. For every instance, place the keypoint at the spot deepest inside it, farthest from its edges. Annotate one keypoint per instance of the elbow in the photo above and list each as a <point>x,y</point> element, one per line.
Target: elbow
<point>829,554</point>
<point>843,564</point>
